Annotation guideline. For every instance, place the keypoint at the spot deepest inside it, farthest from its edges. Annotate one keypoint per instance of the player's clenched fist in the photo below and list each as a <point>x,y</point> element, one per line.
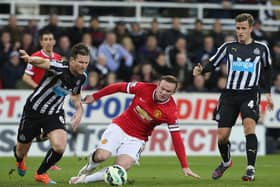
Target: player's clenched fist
<point>197,70</point>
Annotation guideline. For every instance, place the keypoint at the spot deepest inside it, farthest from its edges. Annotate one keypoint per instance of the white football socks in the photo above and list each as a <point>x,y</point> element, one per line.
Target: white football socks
<point>95,177</point>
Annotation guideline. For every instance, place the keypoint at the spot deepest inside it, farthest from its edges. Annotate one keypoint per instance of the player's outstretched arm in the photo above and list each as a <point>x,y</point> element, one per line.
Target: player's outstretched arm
<point>189,172</point>
<point>34,60</point>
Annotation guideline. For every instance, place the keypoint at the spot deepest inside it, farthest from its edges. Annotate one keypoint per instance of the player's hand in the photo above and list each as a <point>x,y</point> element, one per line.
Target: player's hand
<point>88,99</point>
<point>197,70</point>
<point>188,172</point>
<point>76,119</point>
<point>24,55</point>
<point>270,104</point>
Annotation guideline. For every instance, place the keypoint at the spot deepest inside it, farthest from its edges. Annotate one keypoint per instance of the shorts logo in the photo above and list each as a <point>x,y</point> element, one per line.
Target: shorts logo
<point>22,137</point>
<point>104,141</point>
<point>61,119</point>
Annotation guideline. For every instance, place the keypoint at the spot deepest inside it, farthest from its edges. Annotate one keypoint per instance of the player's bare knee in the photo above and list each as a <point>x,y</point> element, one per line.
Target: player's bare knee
<point>59,147</point>
<point>125,161</point>
<point>101,156</point>
<point>249,126</point>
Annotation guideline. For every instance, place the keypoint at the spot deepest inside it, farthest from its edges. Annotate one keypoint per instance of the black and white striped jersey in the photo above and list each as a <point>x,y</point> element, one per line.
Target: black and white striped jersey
<point>58,82</point>
<point>245,64</point>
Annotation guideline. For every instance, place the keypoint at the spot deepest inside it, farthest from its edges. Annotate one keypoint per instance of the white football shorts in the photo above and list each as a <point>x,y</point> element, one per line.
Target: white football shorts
<point>115,140</point>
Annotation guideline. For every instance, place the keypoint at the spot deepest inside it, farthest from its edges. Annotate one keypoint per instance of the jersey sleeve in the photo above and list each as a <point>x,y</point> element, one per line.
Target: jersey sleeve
<point>178,144</point>
<point>77,90</point>
<point>57,67</point>
<point>29,70</point>
<point>216,59</point>
<point>111,89</point>
<point>267,70</point>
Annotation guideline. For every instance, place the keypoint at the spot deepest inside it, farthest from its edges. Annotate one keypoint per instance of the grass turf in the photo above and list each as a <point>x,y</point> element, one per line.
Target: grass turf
<point>153,172</point>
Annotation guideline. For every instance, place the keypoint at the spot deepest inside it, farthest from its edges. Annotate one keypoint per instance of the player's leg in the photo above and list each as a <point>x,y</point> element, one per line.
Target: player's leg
<point>124,160</point>
<point>20,151</point>
<point>250,115</point>
<point>58,140</point>
<point>43,136</point>
<point>128,154</point>
<point>226,115</point>
<point>27,130</point>
<point>107,146</point>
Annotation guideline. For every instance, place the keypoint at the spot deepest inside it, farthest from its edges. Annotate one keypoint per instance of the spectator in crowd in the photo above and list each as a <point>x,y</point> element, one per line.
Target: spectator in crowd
<point>121,31</point>
<point>213,77</point>
<point>138,35</point>
<point>93,81</point>
<point>198,85</point>
<point>217,33</point>
<point>150,51</point>
<point>115,54</point>
<point>172,51</point>
<point>64,47</point>
<point>144,73</point>
<point>207,51</point>
<point>101,68</point>
<point>76,32</point>
<point>53,27</point>
<point>13,70</point>
<point>160,66</point>
<point>14,30</point>
<point>170,36</point>
<point>276,84</point>
<point>276,57</point>
<point>258,33</point>
<point>183,70</point>
<point>195,39</point>
<point>110,79</point>
<point>32,28</point>
<point>87,40</point>
<point>221,83</point>
<point>154,29</point>
<point>27,43</point>
<point>129,46</point>
<point>97,34</point>
<point>6,47</point>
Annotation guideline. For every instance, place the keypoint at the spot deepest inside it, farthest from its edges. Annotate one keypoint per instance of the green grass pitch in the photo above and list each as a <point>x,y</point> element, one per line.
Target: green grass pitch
<point>152,172</point>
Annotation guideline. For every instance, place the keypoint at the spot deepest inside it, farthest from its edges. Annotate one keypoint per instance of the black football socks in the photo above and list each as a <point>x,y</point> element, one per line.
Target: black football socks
<point>51,158</point>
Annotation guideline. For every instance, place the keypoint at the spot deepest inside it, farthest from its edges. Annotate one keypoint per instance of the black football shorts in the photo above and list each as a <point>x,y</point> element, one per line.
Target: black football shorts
<point>231,104</point>
<point>32,124</point>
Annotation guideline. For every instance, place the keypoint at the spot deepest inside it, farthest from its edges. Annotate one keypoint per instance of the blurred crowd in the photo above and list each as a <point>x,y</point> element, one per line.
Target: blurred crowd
<point>130,53</point>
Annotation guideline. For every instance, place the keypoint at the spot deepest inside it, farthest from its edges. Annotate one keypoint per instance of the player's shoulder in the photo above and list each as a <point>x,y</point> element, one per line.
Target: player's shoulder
<point>260,44</point>
<point>57,56</point>
<point>229,43</point>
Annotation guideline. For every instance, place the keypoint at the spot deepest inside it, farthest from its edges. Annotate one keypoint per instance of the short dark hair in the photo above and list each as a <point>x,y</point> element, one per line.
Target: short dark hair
<point>79,49</point>
<point>45,32</point>
<point>170,78</point>
<point>245,17</point>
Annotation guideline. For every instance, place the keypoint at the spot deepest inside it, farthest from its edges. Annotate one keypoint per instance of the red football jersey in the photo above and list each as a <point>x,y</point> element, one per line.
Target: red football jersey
<point>144,113</point>
<point>38,73</point>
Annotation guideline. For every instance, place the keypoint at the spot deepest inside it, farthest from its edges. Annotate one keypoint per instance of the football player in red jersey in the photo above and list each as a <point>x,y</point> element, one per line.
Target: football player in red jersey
<point>125,137</point>
<point>33,75</point>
